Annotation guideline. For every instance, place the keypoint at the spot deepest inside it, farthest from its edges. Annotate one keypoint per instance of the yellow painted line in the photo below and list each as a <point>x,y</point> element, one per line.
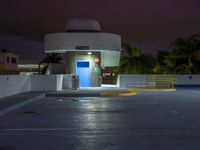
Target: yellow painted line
<point>131,93</point>
<point>153,90</point>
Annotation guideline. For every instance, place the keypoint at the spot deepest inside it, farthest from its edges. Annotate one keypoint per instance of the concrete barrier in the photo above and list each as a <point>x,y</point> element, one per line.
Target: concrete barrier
<point>15,84</point>
<point>46,82</point>
<point>187,80</point>
<point>127,80</point>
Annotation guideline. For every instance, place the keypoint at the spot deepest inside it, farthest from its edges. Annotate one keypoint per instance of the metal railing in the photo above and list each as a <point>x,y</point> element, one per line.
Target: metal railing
<point>160,81</point>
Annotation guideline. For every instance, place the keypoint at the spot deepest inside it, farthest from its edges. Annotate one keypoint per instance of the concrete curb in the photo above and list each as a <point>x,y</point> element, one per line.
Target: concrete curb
<point>153,90</point>
<point>103,94</point>
<point>131,93</point>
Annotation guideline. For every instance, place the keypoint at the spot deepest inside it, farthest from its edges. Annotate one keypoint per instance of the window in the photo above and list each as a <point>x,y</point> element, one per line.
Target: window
<point>13,60</point>
<point>8,60</point>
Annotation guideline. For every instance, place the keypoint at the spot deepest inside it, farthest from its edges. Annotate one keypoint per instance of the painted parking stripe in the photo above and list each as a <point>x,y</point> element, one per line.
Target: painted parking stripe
<point>19,105</point>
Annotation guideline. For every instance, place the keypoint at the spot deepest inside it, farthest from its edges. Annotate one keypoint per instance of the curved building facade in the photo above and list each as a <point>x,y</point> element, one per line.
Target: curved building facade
<point>85,49</point>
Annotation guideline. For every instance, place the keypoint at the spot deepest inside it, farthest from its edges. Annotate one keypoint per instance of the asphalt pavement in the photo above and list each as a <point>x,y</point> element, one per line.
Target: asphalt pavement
<point>147,121</point>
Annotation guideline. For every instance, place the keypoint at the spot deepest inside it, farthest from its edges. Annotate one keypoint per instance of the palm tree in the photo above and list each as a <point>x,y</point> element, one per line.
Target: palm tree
<point>166,62</point>
<point>134,62</point>
<point>187,49</point>
<point>148,64</point>
<point>129,63</point>
<point>50,58</point>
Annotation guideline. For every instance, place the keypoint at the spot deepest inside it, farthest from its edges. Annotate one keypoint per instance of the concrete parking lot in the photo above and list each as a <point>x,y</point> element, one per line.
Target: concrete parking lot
<point>147,121</point>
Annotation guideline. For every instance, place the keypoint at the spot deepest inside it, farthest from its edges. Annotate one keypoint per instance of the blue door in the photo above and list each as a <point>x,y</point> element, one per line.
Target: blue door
<point>83,71</point>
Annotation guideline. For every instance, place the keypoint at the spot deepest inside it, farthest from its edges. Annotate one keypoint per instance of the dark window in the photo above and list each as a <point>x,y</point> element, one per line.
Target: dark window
<point>13,60</point>
<point>8,60</point>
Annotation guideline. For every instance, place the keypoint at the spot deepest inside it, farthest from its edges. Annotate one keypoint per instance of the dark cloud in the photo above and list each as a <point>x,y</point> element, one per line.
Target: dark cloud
<point>135,20</point>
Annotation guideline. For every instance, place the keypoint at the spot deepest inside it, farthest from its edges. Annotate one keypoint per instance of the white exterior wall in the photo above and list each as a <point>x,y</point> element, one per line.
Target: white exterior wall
<point>67,82</point>
<point>14,84</point>
<point>107,43</point>
<point>187,80</point>
<point>110,58</point>
<point>46,82</point>
<point>61,42</point>
<point>59,82</point>
<point>125,80</point>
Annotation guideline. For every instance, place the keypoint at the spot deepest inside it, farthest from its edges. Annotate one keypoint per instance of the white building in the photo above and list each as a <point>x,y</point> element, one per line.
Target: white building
<point>85,50</point>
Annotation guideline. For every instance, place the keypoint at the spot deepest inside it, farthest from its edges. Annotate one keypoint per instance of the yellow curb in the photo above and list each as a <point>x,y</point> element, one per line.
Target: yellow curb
<point>132,93</point>
<point>153,90</point>
<point>134,90</point>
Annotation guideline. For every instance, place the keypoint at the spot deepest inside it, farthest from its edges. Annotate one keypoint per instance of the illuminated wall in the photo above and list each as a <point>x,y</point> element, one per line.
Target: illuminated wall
<point>73,57</point>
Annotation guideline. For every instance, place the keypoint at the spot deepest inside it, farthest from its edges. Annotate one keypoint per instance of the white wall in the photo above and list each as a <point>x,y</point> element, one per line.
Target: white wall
<point>67,82</point>
<point>107,43</point>
<point>46,82</point>
<point>14,84</point>
<point>59,82</point>
<point>125,80</point>
<point>110,58</point>
<point>187,80</point>
<point>65,41</point>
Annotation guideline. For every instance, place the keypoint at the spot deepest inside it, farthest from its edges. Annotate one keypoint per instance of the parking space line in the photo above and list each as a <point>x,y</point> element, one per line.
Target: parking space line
<point>19,105</point>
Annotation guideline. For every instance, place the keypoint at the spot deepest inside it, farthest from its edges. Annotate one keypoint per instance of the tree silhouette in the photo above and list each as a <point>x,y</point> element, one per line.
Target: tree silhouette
<point>50,58</point>
<point>187,49</point>
<point>134,62</point>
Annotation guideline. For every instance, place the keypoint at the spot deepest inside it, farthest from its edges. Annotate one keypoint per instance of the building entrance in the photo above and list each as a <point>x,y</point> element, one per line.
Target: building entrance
<point>83,71</point>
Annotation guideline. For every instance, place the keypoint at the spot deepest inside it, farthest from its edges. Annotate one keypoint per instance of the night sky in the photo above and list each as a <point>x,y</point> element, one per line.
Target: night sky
<point>150,24</point>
